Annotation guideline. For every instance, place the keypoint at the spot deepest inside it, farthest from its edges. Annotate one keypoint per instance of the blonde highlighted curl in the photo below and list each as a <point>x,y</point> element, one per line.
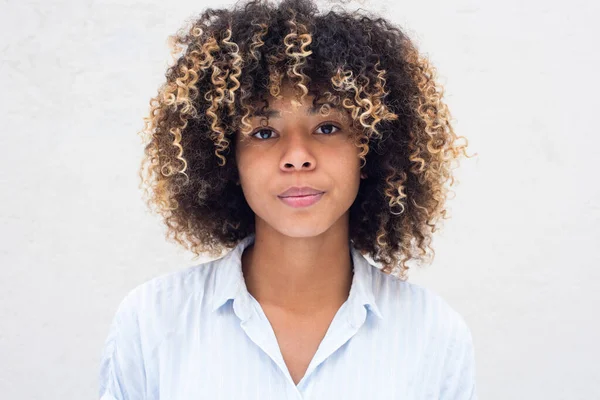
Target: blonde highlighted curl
<point>227,60</point>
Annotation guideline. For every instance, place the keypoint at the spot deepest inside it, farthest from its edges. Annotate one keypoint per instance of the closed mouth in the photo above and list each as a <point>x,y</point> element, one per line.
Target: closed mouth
<point>306,195</point>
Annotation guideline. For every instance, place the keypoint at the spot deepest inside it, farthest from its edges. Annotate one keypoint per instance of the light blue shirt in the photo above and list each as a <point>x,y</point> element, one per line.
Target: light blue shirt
<point>199,334</point>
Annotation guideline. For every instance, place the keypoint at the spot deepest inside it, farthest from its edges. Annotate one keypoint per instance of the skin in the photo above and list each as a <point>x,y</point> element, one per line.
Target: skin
<point>300,263</point>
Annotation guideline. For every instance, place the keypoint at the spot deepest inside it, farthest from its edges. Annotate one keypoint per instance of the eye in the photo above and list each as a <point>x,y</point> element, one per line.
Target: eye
<point>328,131</point>
<point>261,130</point>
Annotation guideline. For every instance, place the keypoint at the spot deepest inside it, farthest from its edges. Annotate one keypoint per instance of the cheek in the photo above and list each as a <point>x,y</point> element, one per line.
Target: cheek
<point>243,159</point>
<point>252,171</point>
<point>347,162</point>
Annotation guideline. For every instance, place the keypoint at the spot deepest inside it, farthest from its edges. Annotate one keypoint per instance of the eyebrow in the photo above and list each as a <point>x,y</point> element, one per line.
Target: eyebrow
<point>268,112</point>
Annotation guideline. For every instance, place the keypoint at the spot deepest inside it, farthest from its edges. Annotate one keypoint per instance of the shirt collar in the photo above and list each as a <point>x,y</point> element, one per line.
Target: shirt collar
<point>230,284</point>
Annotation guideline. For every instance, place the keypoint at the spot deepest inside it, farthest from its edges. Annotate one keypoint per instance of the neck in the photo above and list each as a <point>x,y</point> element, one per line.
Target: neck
<point>302,276</point>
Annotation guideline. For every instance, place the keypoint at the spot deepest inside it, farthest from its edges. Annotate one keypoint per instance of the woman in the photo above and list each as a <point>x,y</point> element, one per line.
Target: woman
<point>299,142</point>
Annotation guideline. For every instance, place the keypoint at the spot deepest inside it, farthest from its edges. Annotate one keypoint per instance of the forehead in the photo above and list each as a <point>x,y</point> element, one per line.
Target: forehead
<point>289,104</point>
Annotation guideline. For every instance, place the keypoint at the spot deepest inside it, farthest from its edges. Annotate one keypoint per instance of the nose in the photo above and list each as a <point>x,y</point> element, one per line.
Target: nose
<point>297,155</point>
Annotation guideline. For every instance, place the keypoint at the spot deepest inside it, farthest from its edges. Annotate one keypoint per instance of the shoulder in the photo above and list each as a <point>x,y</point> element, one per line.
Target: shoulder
<point>152,308</point>
<point>164,292</point>
<point>143,319</point>
<point>421,305</point>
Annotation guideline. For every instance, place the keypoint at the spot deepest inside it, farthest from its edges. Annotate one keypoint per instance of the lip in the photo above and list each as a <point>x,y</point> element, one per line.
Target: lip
<point>301,201</point>
<point>300,191</point>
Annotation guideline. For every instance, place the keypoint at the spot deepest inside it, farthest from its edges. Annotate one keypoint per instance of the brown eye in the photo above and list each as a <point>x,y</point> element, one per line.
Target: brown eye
<point>329,129</point>
<point>259,132</point>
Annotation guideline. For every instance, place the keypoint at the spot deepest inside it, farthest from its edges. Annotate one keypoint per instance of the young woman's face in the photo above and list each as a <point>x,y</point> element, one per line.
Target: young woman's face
<point>298,148</point>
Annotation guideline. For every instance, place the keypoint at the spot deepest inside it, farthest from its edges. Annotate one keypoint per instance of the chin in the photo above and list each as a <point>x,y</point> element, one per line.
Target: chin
<point>297,230</point>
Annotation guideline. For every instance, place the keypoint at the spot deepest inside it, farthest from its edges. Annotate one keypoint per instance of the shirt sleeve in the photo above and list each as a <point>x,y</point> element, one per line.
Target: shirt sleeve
<point>122,370</point>
<point>459,371</point>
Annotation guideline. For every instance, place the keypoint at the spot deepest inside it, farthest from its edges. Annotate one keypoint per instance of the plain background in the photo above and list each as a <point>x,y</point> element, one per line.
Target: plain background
<point>518,258</point>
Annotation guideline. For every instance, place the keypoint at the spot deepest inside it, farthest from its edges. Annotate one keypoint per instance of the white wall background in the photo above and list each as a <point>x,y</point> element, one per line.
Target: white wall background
<point>518,258</point>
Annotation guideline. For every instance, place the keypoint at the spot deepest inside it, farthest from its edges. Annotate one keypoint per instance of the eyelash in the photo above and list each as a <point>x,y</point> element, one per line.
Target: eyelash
<point>266,128</point>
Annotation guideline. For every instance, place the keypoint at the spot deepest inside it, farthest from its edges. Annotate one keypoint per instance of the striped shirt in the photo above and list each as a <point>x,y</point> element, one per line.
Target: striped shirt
<point>199,334</point>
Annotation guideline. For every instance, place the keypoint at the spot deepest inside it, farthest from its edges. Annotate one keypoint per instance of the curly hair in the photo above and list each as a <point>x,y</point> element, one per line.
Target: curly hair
<point>228,59</point>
